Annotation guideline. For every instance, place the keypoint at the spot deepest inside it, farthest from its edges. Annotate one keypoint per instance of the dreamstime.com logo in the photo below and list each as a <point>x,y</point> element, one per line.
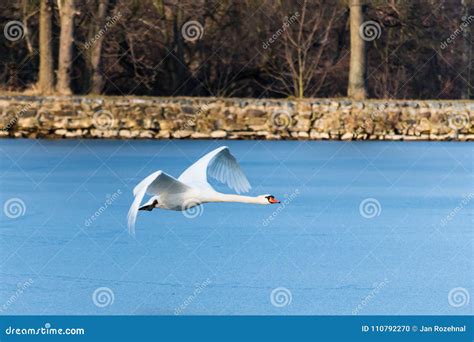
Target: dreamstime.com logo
<point>281,297</point>
<point>103,297</point>
<point>14,208</point>
<point>103,120</point>
<point>110,199</point>
<point>286,24</point>
<point>191,119</point>
<point>370,208</point>
<point>192,30</point>
<point>466,21</point>
<point>281,119</point>
<point>192,208</point>
<point>464,202</point>
<point>47,329</point>
<point>14,30</point>
<point>458,297</point>
<point>110,22</point>
<point>367,299</point>
<point>17,116</point>
<point>197,291</point>
<point>288,199</point>
<point>458,121</point>
<point>370,30</point>
<point>21,287</point>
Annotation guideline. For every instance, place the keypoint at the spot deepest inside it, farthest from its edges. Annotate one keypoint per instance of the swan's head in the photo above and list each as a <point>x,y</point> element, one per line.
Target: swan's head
<point>268,199</point>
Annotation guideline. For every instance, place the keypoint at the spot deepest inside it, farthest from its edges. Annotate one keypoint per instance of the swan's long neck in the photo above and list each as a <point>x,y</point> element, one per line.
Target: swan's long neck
<point>218,197</point>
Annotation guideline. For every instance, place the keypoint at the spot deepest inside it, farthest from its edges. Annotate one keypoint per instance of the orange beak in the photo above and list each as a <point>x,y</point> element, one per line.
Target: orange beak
<point>273,200</point>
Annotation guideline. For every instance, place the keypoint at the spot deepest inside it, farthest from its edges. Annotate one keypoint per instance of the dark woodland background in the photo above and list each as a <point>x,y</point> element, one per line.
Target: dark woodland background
<point>144,52</point>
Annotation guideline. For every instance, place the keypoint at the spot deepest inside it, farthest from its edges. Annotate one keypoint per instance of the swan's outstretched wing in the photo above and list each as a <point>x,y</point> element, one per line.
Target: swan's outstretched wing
<point>218,164</point>
<point>157,183</point>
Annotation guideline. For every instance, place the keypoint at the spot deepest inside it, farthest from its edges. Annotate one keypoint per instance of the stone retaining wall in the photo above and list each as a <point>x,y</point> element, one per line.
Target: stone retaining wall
<point>212,118</point>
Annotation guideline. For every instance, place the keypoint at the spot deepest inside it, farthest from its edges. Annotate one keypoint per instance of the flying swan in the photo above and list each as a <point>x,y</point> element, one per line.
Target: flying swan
<point>192,189</point>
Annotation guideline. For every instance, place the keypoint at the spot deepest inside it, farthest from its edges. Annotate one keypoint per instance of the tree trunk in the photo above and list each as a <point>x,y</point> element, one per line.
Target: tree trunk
<point>66,39</point>
<point>466,91</point>
<point>358,63</point>
<point>46,76</point>
<point>97,77</point>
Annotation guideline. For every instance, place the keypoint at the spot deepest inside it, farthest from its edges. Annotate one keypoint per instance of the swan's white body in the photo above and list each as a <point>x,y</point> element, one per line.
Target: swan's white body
<point>192,188</point>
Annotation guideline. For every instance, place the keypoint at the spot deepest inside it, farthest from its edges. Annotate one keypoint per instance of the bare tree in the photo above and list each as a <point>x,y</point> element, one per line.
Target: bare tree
<point>66,39</point>
<point>245,48</point>
<point>358,63</point>
<point>97,77</point>
<point>46,76</point>
<point>302,53</point>
<point>27,14</point>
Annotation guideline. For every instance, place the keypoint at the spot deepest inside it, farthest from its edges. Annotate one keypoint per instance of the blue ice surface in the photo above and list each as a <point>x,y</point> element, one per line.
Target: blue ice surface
<point>317,255</point>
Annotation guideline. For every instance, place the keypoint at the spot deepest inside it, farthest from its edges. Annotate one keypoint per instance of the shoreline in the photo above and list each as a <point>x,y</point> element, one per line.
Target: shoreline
<point>70,117</point>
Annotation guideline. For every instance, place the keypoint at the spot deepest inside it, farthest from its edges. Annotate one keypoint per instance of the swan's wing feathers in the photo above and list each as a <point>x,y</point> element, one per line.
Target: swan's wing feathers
<point>133,211</point>
<point>221,165</point>
<point>146,182</point>
<point>225,168</point>
<point>157,183</point>
<point>164,183</point>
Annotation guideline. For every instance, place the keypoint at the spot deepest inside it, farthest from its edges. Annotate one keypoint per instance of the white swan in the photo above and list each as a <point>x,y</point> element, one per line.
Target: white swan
<point>192,189</point>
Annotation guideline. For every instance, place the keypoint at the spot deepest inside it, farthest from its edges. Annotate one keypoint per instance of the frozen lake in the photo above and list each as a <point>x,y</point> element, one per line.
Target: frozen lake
<point>367,228</point>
